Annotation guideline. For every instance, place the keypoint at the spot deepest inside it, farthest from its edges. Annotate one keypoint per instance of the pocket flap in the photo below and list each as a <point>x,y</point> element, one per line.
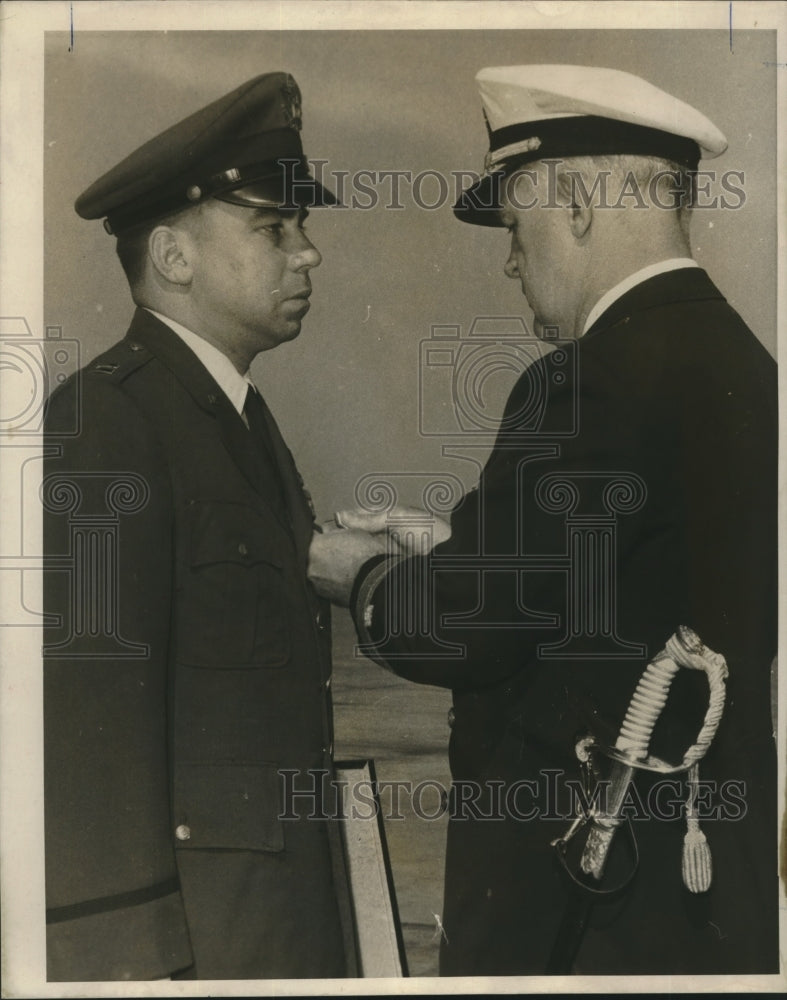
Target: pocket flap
<point>232,533</point>
<point>234,806</point>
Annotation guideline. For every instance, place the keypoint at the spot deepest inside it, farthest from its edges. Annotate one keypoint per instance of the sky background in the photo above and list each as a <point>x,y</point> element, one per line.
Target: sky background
<point>346,392</point>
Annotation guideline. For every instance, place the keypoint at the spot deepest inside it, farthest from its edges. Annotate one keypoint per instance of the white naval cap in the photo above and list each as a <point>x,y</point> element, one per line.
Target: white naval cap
<point>546,111</point>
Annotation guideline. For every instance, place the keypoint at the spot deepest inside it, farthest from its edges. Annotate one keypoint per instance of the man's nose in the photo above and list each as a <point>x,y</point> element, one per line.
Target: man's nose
<point>510,267</point>
<point>306,254</point>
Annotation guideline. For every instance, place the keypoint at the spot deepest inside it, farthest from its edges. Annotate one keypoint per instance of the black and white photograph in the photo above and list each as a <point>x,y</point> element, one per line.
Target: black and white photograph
<point>390,509</point>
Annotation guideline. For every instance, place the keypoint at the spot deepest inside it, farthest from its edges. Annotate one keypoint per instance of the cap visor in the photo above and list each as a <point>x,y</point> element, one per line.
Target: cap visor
<point>480,204</point>
<point>280,191</point>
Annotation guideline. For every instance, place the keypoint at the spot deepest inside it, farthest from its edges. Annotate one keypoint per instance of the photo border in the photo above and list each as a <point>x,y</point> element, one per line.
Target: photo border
<point>22,28</point>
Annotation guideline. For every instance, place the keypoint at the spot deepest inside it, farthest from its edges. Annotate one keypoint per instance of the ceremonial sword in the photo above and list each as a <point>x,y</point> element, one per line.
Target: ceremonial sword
<point>630,753</point>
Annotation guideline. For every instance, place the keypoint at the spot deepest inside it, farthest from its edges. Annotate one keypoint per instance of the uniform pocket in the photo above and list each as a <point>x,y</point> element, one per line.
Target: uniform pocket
<point>231,606</point>
<point>231,806</point>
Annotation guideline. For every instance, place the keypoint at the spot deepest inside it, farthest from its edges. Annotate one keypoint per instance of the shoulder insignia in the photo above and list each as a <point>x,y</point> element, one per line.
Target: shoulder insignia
<point>120,361</point>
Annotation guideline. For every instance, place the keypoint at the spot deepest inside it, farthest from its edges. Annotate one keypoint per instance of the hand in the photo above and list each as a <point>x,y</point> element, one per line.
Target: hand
<point>335,558</point>
<point>411,530</point>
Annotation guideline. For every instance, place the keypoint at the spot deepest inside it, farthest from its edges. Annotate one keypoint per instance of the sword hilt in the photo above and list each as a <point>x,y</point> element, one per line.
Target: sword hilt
<point>684,649</point>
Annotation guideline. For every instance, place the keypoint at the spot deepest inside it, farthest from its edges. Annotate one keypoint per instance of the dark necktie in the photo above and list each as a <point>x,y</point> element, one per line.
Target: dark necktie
<point>255,410</point>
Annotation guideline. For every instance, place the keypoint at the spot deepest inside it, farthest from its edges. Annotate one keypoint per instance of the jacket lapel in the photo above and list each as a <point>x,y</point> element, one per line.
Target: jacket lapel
<point>186,367</point>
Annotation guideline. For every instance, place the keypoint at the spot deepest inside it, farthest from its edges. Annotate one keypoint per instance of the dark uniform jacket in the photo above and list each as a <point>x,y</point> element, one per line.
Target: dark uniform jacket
<point>188,665</point>
<point>664,430</point>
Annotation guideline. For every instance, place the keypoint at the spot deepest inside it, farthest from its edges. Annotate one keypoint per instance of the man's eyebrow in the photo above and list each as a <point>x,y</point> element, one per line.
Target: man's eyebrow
<point>266,212</point>
<point>263,211</point>
<point>302,212</point>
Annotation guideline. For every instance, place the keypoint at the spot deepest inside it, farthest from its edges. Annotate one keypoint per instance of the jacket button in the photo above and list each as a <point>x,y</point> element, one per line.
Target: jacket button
<point>134,347</point>
<point>242,549</point>
<point>183,832</point>
<point>451,717</point>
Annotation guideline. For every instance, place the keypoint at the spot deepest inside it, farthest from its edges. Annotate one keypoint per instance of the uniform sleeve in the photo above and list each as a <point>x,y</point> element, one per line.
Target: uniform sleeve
<point>454,627</point>
<point>475,610</point>
<point>563,542</point>
<point>114,910</point>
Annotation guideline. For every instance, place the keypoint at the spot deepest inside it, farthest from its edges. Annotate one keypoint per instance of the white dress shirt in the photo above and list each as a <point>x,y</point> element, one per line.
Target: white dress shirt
<point>606,300</point>
<point>229,379</point>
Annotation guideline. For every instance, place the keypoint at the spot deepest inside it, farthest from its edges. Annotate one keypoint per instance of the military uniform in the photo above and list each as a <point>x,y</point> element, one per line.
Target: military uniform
<point>162,769</point>
<point>188,659</point>
<point>673,399</point>
<point>673,388</point>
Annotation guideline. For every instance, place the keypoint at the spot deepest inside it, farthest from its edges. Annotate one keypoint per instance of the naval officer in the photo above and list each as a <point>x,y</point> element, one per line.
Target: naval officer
<point>191,659</point>
<point>665,423</point>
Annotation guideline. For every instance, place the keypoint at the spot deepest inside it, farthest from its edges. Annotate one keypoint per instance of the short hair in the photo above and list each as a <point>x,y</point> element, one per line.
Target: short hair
<point>643,171</point>
<point>132,243</point>
<point>132,250</point>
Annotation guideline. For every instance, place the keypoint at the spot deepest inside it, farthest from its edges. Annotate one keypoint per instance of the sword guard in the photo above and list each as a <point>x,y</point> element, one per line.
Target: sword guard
<point>649,763</point>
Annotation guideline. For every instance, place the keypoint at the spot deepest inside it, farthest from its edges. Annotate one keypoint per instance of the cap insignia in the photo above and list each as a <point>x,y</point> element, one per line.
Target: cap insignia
<point>291,105</point>
<point>495,157</point>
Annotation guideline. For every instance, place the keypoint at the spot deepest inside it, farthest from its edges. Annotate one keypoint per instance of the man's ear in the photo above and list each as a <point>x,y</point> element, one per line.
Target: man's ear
<point>168,249</point>
<point>580,211</point>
